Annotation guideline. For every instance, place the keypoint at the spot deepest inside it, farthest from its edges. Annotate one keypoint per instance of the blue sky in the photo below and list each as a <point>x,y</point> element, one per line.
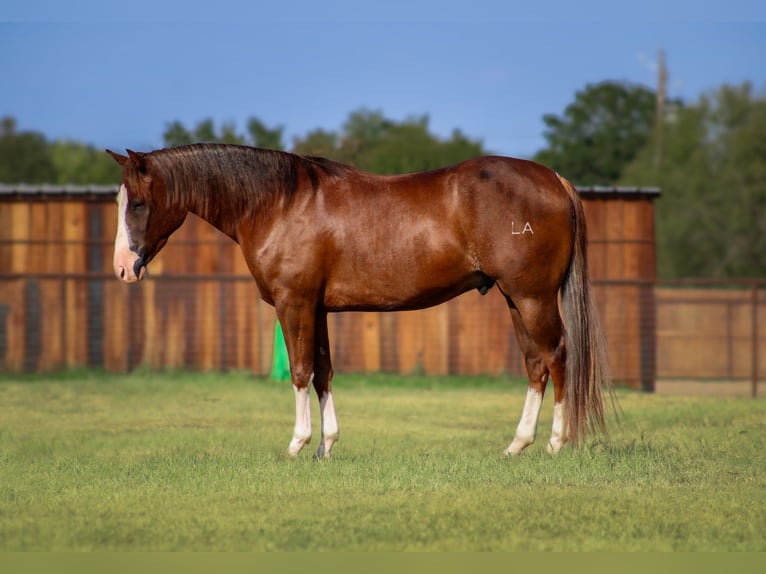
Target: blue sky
<point>115,74</point>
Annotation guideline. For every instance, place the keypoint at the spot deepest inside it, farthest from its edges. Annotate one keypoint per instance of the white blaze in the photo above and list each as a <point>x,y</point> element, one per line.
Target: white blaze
<point>124,258</point>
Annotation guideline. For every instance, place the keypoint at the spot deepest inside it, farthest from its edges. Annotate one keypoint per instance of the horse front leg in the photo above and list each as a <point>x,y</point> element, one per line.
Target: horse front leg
<point>302,429</point>
<point>297,322</point>
<point>330,431</point>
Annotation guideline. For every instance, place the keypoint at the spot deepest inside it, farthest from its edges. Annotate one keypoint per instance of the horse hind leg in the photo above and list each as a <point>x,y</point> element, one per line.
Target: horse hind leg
<point>539,332</point>
<point>526,431</point>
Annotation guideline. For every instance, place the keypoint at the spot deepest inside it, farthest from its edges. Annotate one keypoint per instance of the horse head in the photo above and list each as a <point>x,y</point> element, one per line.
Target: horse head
<point>145,217</point>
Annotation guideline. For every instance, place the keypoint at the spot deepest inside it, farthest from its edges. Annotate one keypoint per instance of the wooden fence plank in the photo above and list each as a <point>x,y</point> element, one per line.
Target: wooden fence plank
<point>116,346</point>
<point>52,325</point>
<point>20,235</point>
<point>13,330</point>
<point>409,337</point>
<point>371,342</point>
<point>55,248</point>
<point>435,342</point>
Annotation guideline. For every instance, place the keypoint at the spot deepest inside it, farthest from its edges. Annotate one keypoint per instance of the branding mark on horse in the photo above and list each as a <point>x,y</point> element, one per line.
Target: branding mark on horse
<point>527,228</point>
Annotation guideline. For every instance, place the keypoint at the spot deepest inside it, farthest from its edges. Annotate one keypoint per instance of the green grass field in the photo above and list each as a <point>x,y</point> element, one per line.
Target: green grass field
<point>195,462</point>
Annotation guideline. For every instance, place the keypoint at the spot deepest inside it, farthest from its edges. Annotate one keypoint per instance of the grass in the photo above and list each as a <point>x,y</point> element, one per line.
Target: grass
<point>196,462</point>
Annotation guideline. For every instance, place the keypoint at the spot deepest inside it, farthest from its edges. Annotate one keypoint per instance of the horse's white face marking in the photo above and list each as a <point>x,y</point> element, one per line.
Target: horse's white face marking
<point>526,432</point>
<point>124,258</point>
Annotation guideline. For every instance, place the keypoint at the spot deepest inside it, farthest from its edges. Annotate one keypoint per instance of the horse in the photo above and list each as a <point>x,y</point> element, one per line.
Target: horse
<point>320,236</point>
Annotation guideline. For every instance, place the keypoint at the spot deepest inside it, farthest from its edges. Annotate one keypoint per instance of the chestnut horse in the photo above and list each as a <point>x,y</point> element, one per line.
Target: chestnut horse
<point>320,236</point>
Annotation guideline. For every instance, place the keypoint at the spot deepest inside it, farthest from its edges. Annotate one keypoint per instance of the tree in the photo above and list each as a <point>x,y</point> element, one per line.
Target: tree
<point>599,133</point>
<point>78,163</point>
<point>177,134</point>
<point>263,136</point>
<point>372,142</point>
<point>709,219</point>
<point>24,156</point>
<point>318,142</point>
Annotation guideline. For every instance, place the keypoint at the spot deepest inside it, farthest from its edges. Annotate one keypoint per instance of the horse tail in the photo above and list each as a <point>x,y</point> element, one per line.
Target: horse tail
<point>587,366</point>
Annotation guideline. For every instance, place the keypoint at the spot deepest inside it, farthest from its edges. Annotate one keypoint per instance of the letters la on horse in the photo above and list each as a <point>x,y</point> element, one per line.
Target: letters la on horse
<point>527,228</point>
<point>319,236</point>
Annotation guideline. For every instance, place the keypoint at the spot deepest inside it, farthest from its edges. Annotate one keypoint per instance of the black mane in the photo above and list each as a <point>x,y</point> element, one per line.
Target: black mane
<point>252,179</point>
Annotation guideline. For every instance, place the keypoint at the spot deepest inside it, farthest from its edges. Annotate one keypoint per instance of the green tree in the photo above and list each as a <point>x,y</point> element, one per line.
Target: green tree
<point>709,219</point>
<point>205,131</point>
<point>78,163</point>
<point>24,155</point>
<point>229,134</point>
<point>599,133</point>
<point>176,134</point>
<point>377,144</point>
<point>263,136</point>
<point>318,142</point>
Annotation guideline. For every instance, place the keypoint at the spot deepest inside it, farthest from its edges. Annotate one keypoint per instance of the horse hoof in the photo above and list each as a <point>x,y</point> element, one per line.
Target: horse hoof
<point>554,448</point>
<point>321,454</point>
<point>517,447</point>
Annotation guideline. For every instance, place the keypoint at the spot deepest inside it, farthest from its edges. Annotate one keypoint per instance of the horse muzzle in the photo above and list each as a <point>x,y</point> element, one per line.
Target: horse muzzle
<point>139,268</point>
<point>130,267</point>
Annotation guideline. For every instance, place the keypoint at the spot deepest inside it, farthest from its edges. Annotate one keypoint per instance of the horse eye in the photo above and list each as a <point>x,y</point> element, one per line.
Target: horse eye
<point>137,205</point>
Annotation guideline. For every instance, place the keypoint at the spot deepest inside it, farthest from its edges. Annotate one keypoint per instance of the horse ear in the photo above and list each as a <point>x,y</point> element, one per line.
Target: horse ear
<point>121,159</point>
<point>138,160</point>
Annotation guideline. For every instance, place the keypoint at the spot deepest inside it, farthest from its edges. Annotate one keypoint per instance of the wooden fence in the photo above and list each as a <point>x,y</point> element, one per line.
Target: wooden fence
<point>61,307</point>
<point>711,330</point>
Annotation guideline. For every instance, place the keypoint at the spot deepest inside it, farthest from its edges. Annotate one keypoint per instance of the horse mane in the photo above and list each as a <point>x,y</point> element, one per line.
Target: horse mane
<point>252,179</point>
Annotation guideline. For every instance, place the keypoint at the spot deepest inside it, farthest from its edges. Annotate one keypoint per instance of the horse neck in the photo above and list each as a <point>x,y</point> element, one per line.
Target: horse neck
<point>214,202</point>
<point>255,183</point>
<point>218,212</point>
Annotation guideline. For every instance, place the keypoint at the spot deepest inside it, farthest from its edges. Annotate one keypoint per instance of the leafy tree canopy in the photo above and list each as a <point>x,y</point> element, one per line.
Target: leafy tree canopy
<point>599,133</point>
<point>258,135</point>
<point>24,156</point>
<point>27,157</point>
<point>710,161</point>
<point>77,163</point>
<point>378,144</point>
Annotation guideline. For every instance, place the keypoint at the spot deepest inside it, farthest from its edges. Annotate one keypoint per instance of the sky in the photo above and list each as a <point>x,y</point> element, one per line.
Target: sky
<point>115,74</point>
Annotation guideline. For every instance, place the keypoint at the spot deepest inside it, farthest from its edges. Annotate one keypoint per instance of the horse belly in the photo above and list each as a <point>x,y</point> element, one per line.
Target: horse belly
<point>384,288</point>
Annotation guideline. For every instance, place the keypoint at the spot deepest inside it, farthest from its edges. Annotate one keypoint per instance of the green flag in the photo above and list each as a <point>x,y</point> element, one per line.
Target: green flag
<point>280,364</point>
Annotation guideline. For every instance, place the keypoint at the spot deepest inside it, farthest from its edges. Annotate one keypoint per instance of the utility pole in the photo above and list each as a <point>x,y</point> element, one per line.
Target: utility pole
<point>662,87</point>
